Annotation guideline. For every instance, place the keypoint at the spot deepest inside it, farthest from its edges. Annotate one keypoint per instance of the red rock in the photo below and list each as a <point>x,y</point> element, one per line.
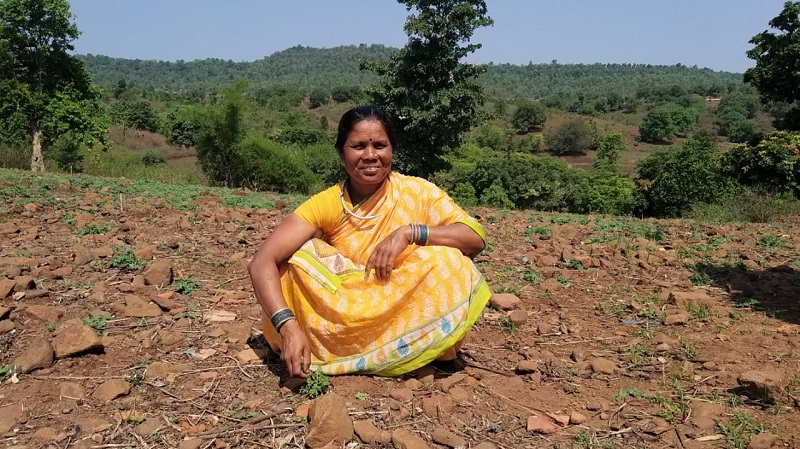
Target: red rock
<point>504,301</point>
<point>61,273</point>
<point>369,434</point>
<point>23,283</point>
<point>447,438</point>
<point>6,326</point>
<point>6,287</point>
<point>448,382</point>
<point>401,394</point>
<point>404,439</point>
<point>518,316</point>
<point>71,390</point>
<point>9,415</point>
<point>602,366</point>
<point>677,318</point>
<point>577,418</point>
<point>48,314</point>
<point>541,424</point>
<point>787,329</point>
<point>329,422</point>
<point>38,355</point>
<point>4,311</point>
<point>162,370</point>
<point>159,273</point>
<point>527,367</point>
<point>112,389</point>
<point>75,338</point>
<point>138,308</point>
<point>762,385</point>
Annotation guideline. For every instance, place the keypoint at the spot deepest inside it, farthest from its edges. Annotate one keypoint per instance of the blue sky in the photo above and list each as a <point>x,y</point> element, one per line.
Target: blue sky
<point>707,33</point>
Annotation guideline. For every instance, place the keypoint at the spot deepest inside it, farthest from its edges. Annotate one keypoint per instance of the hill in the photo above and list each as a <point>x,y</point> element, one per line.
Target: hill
<point>307,68</point>
<point>619,333</point>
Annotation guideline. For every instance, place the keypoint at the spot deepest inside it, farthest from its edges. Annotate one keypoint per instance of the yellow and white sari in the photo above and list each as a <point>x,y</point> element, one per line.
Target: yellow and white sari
<point>433,296</point>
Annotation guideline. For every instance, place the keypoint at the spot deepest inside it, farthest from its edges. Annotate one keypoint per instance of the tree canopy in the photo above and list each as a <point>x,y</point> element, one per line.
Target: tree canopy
<point>51,91</point>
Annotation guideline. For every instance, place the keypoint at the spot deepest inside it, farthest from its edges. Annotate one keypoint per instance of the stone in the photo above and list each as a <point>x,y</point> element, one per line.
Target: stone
<point>112,389</point>
<point>158,273</point>
<point>504,301</point>
<point>448,382</point>
<point>46,434</point>
<point>329,422</point>
<point>485,445</point>
<point>6,326</point>
<point>145,252</point>
<point>370,434</point>
<point>47,314</point>
<point>74,338</point>
<point>162,370</point>
<point>518,316</point>
<point>602,366</point>
<point>71,390</point>
<point>6,287</point>
<point>550,284</point>
<point>165,302</point>
<point>405,439</point>
<point>413,384</point>
<point>577,418</point>
<point>170,338</point>
<point>148,427</point>
<point>541,424</point>
<point>62,272</point>
<point>250,355</point>
<point>677,318</point>
<point>577,355</point>
<point>663,347</point>
<point>92,425</point>
<point>38,355</point>
<point>191,443</point>
<point>23,283</point>
<point>762,385</point>
<point>527,366</point>
<point>435,404</point>
<point>4,312</point>
<point>686,299</point>
<point>447,438</point>
<point>401,394</point>
<point>138,308</point>
<point>301,411</point>
<point>9,416</point>
<point>764,441</point>
<point>545,329</point>
<point>460,393</point>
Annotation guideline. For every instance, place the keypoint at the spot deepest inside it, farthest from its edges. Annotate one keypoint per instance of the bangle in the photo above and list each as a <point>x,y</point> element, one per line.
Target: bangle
<point>414,231</point>
<point>280,318</point>
<point>423,235</point>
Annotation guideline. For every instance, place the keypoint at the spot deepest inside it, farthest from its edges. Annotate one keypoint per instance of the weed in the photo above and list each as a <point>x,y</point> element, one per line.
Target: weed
<point>532,275</point>
<point>650,231</point>
<point>509,327</point>
<point>126,259</point>
<point>570,388</point>
<point>194,310</point>
<point>739,430</point>
<point>24,253</point>
<point>564,281</point>
<point>734,400</point>
<point>7,371</point>
<point>316,384</point>
<point>689,351</point>
<point>701,279</point>
<point>645,332</point>
<point>97,322</point>
<point>51,327</point>
<point>768,240</point>
<point>361,396</point>
<point>575,264</point>
<point>97,266</point>
<point>537,231</point>
<point>238,412</point>
<point>185,285</point>
<point>93,228</point>
<point>135,379</point>
<point>67,284</point>
<point>636,353</point>
<point>699,311</point>
<point>67,219</point>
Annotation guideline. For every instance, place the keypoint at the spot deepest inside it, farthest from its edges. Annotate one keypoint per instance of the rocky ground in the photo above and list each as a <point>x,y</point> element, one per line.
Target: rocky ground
<point>127,320</point>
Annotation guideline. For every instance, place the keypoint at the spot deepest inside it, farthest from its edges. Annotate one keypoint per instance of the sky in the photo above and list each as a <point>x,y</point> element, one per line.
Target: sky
<point>706,33</point>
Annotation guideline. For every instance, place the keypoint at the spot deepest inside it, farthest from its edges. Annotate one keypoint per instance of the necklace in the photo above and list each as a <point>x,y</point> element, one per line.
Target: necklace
<point>350,212</point>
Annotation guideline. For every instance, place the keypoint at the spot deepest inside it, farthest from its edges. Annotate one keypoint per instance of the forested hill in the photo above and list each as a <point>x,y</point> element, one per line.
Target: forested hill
<point>307,68</point>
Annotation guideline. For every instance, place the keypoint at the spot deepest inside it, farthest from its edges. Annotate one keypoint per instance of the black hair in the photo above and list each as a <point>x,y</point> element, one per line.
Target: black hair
<point>359,114</point>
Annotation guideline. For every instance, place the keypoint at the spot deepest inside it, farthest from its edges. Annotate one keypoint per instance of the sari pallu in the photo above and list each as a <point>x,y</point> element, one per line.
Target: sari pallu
<point>354,324</point>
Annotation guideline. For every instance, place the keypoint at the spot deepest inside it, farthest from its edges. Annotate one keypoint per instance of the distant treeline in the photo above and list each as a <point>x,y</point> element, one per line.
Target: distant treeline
<point>578,87</point>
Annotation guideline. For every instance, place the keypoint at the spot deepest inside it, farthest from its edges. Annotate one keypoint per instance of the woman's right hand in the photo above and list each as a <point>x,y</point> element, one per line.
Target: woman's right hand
<point>296,352</point>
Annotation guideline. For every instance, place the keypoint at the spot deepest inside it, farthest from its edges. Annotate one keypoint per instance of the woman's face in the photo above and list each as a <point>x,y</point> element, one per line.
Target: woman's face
<point>367,155</point>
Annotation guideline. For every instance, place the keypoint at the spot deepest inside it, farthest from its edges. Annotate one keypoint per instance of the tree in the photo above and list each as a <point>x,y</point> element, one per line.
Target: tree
<point>777,57</point>
<point>528,116</point>
<point>53,91</point>
<point>609,149</point>
<point>572,137</point>
<point>432,96</point>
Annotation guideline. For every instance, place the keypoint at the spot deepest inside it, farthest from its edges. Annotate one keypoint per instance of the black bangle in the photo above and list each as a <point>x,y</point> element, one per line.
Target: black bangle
<point>423,238</point>
<point>281,317</point>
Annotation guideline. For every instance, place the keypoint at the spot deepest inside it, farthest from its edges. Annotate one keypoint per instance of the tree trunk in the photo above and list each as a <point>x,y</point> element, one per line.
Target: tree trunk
<point>37,159</point>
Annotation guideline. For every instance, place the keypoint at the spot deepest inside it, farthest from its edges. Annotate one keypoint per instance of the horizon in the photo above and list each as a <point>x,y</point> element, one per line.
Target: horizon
<point>713,35</point>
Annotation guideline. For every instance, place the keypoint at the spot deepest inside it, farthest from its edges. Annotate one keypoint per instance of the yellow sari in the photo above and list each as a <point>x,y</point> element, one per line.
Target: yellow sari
<point>433,296</point>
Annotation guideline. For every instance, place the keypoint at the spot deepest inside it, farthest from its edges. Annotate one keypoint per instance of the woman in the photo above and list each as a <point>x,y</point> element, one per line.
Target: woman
<point>371,275</point>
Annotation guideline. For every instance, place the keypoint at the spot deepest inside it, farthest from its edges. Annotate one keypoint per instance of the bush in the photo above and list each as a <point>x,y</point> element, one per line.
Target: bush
<point>324,161</point>
<point>773,165</point>
<point>664,123</point>
<point>318,97</point>
<point>150,158</point>
<point>530,143</point>
<point>268,165</point>
<point>492,137</point>
<point>673,180</point>
<point>609,148</point>
<point>528,117</point>
<point>495,197</point>
<point>572,137</point>
<point>67,153</point>
<point>464,195</point>
<point>182,126</point>
<point>610,193</point>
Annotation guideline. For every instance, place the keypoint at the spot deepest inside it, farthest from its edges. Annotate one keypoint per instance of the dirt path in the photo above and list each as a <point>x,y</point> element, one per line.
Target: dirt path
<point>604,332</point>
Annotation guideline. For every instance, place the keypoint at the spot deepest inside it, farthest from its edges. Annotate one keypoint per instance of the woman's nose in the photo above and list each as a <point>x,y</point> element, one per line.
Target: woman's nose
<point>370,153</point>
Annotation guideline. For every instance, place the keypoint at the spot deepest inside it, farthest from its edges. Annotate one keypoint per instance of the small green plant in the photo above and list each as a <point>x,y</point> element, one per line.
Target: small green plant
<point>564,281</point>
<point>532,275</point>
<point>185,285</point>
<point>93,228</point>
<point>316,384</point>
<point>645,332</point>
<point>97,322</point>
<point>125,258</point>
<point>739,431</point>
<point>238,412</point>
<point>575,264</point>
<point>67,219</point>
<point>637,352</point>
<point>569,388</point>
<point>537,230</point>
<point>67,284</point>
<point>509,327</point>
<point>361,396</point>
<point>768,240</point>
<point>689,350</point>
<point>194,311</point>
<point>24,253</point>
<point>699,311</point>
<point>51,327</point>
<point>7,371</point>
<point>701,279</point>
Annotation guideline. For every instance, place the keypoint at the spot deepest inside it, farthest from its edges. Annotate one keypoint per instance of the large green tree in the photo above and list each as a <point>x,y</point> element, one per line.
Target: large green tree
<point>432,95</point>
<point>777,56</point>
<point>51,90</point>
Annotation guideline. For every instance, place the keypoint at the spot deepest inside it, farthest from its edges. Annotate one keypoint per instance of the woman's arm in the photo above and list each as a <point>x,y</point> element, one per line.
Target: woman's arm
<point>284,241</point>
<point>456,235</point>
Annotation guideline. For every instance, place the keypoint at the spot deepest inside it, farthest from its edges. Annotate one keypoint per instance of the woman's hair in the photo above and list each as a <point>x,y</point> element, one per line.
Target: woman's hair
<point>361,113</point>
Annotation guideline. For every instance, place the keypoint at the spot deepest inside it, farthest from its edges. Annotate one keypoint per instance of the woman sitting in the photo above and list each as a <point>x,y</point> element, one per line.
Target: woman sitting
<point>372,275</point>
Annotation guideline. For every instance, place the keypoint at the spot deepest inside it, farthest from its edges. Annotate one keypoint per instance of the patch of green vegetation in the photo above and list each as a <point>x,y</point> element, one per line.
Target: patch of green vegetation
<point>536,231</point>
<point>7,371</point>
<point>768,240</point>
<point>739,431</point>
<point>650,231</point>
<point>532,275</point>
<point>574,264</point>
<point>125,258</point>
<point>316,384</point>
<point>51,327</point>
<point>701,279</point>
<point>361,396</point>
<point>67,219</point>
<point>589,440</point>
<point>239,413</point>
<point>93,228</point>
<point>66,284</point>
<point>509,327</point>
<point>24,253</point>
<point>185,285</point>
<point>603,238</point>
<point>97,322</point>
<point>637,353</point>
<point>689,351</point>
<point>699,311</point>
<point>564,281</point>
<point>194,311</point>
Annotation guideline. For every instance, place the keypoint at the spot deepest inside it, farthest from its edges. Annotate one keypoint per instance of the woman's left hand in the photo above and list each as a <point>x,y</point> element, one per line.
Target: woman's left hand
<point>387,251</point>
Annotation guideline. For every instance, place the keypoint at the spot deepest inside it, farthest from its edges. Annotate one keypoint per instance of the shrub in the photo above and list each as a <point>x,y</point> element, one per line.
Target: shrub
<point>530,143</point>
<point>268,165</point>
<point>673,180</point>
<point>150,158</point>
<point>610,193</point>
<point>750,206</point>
<point>492,136</point>
<point>464,194</point>
<point>496,197</point>
<point>773,165</point>
<point>324,161</point>
<point>318,97</point>
<point>664,123</point>
<point>67,153</point>
<point>572,137</point>
<point>609,148</point>
<point>529,116</point>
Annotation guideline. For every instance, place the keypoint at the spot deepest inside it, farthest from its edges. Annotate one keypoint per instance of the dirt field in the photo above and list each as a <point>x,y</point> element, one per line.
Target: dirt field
<point>128,308</point>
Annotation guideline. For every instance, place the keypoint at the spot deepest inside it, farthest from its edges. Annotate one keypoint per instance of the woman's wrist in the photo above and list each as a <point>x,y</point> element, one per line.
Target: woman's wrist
<point>289,327</point>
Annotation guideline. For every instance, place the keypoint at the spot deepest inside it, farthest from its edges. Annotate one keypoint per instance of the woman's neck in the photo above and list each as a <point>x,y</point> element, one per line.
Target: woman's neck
<point>359,194</point>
